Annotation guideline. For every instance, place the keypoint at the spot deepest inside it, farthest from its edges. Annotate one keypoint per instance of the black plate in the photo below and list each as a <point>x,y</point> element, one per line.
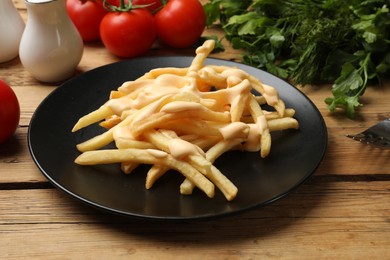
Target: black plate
<point>295,154</point>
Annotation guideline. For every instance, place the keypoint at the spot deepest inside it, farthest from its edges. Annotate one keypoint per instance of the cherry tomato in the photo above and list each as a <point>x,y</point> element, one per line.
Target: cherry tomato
<point>128,34</point>
<point>180,23</point>
<point>115,2</point>
<point>86,16</point>
<point>9,112</point>
<point>152,5</point>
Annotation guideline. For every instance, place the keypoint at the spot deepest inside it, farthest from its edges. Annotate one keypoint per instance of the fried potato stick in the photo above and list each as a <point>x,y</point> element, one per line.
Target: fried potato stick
<point>149,156</point>
<point>153,121</point>
<point>128,167</point>
<point>192,155</point>
<point>283,124</point>
<point>184,119</point>
<point>258,115</point>
<point>154,173</point>
<point>95,116</point>
<point>101,140</point>
<point>201,54</point>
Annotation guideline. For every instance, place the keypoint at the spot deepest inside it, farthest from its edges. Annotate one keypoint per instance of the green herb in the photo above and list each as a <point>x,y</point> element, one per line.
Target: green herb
<point>346,43</point>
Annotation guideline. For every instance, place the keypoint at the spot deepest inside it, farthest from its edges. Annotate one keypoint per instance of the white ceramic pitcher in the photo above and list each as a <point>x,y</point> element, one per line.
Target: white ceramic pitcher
<point>51,47</point>
<point>11,30</point>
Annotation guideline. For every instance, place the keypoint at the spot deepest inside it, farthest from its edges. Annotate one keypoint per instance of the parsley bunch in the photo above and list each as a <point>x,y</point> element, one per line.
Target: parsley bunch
<point>346,43</point>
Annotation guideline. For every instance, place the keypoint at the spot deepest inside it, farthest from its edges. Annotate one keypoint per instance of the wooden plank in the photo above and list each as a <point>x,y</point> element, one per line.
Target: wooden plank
<point>16,164</point>
<point>310,223</point>
<point>317,198</point>
<point>341,213</point>
<point>344,157</point>
<point>272,239</point>
<point>29,99</point>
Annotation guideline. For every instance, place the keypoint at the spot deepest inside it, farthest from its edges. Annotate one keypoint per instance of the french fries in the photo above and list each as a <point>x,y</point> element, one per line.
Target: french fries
<point>185,119</point>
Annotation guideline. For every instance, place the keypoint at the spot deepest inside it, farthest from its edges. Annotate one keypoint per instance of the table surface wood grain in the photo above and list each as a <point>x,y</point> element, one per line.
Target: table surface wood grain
<point>342,212</point>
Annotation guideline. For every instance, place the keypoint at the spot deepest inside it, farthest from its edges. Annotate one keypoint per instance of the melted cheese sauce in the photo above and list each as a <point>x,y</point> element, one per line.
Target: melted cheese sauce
<point>271,95</point>
<point>252,143</point>
<point>122,132</point>
<point>235,130</point>
<point>180,106</point>
<point>148,96</point>
<point>179,148</point>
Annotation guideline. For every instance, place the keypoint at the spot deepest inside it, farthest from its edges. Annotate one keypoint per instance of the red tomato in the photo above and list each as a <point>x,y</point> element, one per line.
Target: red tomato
<point>180,23</point>
<point>112,3</point>
<point>152,5</point>
<point>9,111</point>
<point>115,2</point>
<point>128,34</point>
<point>86,16</point>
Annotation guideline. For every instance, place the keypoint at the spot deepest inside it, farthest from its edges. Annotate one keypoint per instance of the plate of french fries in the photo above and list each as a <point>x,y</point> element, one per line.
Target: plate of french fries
<point>177,137</point>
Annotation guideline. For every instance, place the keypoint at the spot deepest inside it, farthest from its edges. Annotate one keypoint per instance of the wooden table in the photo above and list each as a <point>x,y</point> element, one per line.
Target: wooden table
<point>342,212</point>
